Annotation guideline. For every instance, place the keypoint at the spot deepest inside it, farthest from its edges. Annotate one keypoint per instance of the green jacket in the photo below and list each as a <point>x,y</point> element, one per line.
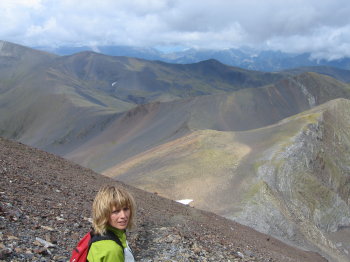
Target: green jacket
<point>108,250</point>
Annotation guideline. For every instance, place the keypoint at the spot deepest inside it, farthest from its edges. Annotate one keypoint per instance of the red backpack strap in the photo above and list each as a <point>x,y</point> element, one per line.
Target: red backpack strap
<point>80,252</point>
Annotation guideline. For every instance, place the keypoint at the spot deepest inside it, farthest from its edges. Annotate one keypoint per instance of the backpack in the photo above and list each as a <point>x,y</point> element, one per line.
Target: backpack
<point>81,251</point>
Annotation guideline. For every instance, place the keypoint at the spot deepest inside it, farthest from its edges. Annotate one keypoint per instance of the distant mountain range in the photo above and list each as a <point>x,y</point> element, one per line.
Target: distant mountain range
<point>247,58</point>
<point>267,149</point>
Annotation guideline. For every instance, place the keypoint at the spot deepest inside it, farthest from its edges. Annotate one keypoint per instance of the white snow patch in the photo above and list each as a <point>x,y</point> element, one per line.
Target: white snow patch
<point>185,201</point>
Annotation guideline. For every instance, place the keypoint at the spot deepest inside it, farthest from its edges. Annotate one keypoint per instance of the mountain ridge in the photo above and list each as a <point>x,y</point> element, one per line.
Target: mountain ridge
<point>261,60</point>
<point>237,111</point>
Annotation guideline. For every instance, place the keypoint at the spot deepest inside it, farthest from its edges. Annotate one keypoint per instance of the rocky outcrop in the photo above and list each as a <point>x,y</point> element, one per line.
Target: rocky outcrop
<point>302,186</point>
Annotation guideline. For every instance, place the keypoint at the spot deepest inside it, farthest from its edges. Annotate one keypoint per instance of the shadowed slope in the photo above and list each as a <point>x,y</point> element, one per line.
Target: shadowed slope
<point>135,131</point>
<point>54,117</point>
<point>141,81</point>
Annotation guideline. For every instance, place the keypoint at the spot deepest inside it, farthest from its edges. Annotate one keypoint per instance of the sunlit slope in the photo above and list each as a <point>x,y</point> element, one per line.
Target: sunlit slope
<point>290,179</point>
<point>195,166</point>
<point>153,124</point>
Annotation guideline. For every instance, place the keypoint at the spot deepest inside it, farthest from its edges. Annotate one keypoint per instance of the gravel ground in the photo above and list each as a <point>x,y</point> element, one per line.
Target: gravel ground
<point>45,210</point>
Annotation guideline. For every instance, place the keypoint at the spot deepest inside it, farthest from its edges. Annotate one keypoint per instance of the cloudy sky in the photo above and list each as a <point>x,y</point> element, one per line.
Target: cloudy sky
<point>318,26</point>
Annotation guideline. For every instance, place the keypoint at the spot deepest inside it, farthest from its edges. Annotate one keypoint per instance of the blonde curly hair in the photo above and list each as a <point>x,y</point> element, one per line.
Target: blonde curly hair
<point>107,198</point>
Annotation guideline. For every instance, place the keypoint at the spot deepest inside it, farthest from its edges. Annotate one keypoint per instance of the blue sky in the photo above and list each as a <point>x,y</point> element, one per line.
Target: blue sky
<point>321,27</point>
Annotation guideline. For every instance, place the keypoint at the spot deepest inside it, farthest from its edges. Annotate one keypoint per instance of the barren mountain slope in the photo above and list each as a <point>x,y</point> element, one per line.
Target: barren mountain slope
<point>146,126</point>
<point>44,210</point>
<point>59,103</point>
<point>290,179</point>
<point>17,61</point>
<point>56,103</point>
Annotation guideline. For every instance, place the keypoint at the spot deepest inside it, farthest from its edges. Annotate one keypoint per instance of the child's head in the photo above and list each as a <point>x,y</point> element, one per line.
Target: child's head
<point>109,198</point>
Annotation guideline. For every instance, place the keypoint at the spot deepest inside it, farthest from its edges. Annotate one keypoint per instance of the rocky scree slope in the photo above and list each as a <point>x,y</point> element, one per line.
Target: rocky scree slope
<point>45,210</point>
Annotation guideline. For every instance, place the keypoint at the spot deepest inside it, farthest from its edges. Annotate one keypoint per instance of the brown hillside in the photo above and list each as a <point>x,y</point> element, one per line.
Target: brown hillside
<point>46,198</point>
<point>289,179</point>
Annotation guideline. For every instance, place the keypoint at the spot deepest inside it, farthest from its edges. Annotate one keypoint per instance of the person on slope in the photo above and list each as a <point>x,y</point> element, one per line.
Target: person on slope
<point>113,210</point>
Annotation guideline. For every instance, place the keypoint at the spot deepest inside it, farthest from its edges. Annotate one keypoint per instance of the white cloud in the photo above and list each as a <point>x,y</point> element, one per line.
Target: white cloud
<point>320,26</point>
<point>21,3</point>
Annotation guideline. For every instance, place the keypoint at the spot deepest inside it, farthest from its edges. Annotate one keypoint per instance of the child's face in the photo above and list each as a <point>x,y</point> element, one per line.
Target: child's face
<point>119,218</point>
